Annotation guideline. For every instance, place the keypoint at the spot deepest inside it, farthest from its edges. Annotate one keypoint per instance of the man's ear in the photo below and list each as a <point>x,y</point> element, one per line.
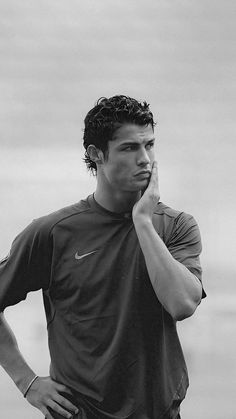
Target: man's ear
<point>95,154</point>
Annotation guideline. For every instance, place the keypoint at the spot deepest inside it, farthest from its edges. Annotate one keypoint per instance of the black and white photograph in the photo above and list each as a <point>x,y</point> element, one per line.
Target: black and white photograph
<point>118,209</point>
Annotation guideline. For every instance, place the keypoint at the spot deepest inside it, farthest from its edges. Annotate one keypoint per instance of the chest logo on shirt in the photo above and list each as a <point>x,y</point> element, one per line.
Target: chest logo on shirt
<point>78,257</point>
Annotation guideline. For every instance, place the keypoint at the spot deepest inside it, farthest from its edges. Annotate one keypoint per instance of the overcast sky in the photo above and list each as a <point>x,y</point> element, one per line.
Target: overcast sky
<point>57,57</point>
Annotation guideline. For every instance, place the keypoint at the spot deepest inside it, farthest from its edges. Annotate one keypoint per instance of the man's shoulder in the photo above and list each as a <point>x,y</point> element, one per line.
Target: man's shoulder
<point>47,222</point>
<point>167,220</point>
<point>164,210</point>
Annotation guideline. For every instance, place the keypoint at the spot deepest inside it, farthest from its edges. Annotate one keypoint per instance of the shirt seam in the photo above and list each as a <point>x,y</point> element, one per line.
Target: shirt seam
<point>176,393</point>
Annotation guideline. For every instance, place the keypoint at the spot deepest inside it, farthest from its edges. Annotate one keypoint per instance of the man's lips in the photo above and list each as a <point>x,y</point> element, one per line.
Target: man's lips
<point>143,172</point>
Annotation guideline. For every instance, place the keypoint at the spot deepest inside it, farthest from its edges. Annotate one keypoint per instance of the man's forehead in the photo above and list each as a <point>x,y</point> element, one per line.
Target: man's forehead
<point>133,132</point>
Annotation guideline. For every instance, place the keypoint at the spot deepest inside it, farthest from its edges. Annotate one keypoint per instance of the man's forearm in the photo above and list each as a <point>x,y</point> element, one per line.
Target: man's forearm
<point>11,359</point>
<point>177,289</point>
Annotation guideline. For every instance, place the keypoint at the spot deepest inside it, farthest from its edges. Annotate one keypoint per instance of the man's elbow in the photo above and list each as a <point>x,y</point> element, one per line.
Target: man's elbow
<point>185,307</point>
<point>183,311</point>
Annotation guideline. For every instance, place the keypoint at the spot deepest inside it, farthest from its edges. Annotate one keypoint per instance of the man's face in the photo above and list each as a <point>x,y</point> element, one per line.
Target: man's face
<point>130,157</point>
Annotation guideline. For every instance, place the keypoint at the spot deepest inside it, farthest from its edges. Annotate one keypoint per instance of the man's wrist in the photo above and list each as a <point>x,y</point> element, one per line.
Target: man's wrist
<point>24,383</point>
<point>29,385</point>
<point>142,220</point>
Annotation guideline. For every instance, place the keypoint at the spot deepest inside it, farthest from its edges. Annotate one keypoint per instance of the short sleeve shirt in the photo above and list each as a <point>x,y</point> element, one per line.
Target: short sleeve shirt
<point>110,339</point>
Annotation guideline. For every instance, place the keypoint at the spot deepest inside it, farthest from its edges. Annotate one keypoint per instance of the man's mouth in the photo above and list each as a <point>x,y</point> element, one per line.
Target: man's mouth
<point>143,173</point>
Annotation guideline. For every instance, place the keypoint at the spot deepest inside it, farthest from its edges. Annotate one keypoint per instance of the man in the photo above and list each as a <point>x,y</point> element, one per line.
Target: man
<point>117,271</point>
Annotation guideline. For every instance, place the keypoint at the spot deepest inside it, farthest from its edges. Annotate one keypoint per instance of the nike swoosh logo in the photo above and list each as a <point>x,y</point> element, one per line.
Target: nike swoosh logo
<point>78,257</point>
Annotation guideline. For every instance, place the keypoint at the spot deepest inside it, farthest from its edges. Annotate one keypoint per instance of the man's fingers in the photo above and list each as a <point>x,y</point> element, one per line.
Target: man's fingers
<point>46,413</point>
<point>154,176</point>
<point>63,401</point>
<point>61,388</point>
<point>155,166</point>
<point>59,409</point>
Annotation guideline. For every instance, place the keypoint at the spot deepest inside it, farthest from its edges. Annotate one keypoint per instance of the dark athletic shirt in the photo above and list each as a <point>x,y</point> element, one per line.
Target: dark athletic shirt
<point>110,339</point>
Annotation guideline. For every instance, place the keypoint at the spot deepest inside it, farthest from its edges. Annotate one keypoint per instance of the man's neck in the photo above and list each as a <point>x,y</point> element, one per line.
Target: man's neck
<point>118,201</point>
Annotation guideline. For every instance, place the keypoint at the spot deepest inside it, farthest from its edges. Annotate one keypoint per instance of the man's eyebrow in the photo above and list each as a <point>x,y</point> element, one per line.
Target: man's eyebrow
<point>136,142</point>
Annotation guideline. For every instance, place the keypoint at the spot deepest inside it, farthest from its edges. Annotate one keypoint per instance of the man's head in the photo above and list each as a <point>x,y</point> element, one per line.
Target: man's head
<point>107,116</point>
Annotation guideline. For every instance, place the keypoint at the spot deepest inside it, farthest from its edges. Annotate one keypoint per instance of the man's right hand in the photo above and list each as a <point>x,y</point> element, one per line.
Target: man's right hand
<point>45,393</point>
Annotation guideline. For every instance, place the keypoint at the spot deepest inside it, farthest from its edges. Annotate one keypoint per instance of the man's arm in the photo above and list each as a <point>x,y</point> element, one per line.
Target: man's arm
<point>44,392</point>
<point>177,289</point>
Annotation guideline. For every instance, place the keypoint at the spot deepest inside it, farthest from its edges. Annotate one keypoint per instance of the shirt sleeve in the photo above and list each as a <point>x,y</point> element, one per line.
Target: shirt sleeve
<point>27,267</point>
<point>185,244</point>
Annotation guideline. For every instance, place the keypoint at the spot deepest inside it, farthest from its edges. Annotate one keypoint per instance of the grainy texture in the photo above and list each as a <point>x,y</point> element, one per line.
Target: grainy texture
<point>57,58</point>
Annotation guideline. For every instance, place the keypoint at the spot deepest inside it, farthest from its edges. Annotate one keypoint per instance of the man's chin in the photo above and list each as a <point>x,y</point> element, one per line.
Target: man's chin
<point>139,186</point>
<point>142,185</point>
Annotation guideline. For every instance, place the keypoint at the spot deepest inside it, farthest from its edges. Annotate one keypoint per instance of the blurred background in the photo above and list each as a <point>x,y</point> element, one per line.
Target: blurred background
<point>57,58</point>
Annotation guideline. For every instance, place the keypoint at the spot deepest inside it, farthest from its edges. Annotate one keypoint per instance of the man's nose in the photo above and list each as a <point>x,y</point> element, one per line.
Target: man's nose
<point>143,157</point>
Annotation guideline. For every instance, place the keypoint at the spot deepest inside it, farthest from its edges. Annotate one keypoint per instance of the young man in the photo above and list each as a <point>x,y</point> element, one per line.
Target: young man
<point>117,271</point>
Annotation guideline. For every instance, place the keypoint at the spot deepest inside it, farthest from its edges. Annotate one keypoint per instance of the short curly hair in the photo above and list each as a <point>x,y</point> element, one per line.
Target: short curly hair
<point>106,117</point>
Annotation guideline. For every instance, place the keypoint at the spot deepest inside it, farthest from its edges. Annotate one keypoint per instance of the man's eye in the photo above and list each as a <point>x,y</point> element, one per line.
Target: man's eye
<point>149,146</point>
<point>129,148</point>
